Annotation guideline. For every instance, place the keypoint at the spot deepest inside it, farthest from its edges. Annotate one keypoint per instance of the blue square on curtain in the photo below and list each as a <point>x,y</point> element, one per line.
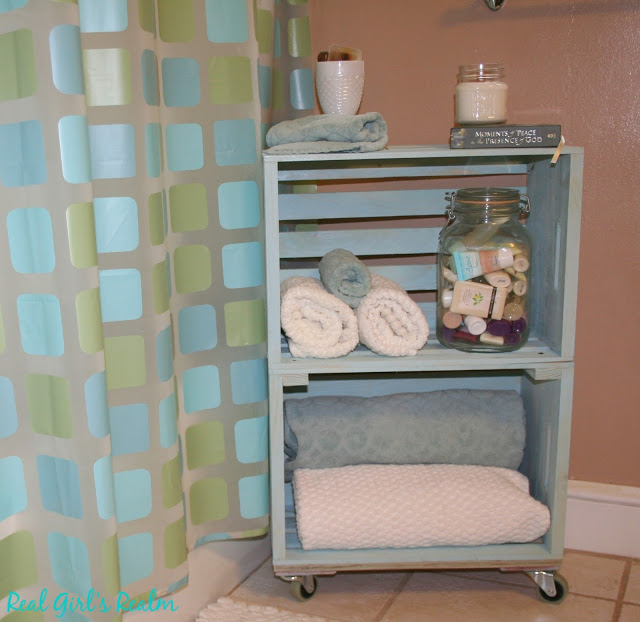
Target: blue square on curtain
<point>238,205</point>
<point>168,415</point>
<point>13,489</point>
<point>116,222</point>
<point>31,240</point>
<point>235,142</point>
<point>164,354</point>
<point>129,429</point>
<point>11,5</point>
<point>120,294</point>
<point>254,496</point>
<point>201,388</point>
<point>132,494</point>
<point>150,77</point>
<point>242,265</point>
<point>8,412</point>
<point>153,149</point>
<point>227,21</point>
<point>95,399</point>
<point>113,152</point>
<point>60,486</point>
<point>75,152</point>
<point>103,480</point>
<point>251,439</point>
<point>181,81</point>
<point>301,89</point>
<point>197,328</point>
<point>264,86</point>
<point>66,59</point>
<point>22,159</point>
<point>40,324</point>
<point>69,559</point>
<point>103,15</point>
<point>135,554</point>
<point>185,150</point>
<point>249,381</point>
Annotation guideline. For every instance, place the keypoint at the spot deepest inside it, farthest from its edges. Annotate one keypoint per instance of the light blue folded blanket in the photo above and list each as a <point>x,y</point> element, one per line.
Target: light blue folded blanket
<point>454,426</point>
<point>345,276</point>
<point>329,133</point>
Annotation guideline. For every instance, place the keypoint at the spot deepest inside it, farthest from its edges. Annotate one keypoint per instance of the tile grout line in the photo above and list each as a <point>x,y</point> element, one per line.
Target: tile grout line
<point>617,609</point>
<point>399,589</point>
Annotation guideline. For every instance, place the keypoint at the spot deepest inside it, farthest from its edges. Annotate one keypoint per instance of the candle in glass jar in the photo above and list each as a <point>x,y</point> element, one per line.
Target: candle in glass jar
<point>481,94</point>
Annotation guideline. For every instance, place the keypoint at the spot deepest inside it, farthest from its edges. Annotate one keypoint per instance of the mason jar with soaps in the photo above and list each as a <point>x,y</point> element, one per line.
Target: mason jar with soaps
<point>484,271</point>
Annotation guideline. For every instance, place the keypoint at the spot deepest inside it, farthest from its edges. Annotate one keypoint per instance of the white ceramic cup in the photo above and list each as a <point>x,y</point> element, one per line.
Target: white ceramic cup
<point>339,84</point>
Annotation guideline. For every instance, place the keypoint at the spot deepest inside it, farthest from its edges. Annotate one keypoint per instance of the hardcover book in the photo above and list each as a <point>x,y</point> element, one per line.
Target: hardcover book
<point>495,136</point>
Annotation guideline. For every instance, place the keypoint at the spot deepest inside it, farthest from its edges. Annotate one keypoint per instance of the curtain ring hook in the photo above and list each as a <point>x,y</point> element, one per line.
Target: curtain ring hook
<point>494,5</point>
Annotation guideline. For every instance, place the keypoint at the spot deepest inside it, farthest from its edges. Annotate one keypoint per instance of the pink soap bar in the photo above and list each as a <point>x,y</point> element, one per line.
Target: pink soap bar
<point>461,334</point>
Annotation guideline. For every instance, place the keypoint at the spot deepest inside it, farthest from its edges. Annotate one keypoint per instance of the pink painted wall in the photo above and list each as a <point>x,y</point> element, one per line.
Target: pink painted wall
<point>568,62</point>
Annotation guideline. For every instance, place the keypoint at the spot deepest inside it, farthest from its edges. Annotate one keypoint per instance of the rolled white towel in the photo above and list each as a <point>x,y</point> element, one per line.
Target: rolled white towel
<point>389,321</point>
<point>316,323</point>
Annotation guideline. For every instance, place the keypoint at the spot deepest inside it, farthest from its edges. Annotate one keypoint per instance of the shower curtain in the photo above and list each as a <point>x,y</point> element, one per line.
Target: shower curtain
<point>133,394</point>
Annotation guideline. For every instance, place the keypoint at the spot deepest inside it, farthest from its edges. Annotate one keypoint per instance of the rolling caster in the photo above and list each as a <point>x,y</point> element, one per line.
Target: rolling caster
<point>302,587</point>
<point>552,587</point>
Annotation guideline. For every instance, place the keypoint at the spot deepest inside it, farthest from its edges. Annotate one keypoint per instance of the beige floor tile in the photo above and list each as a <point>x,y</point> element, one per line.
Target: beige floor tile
<point>593,575</point>
<point>632,594</point>
<point>440,597</point>
<point>630,613</point>
<point>347,597</point>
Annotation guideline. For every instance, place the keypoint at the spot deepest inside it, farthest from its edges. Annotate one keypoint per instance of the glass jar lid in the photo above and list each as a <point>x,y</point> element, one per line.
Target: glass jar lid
<point>485,196</point>
<point>480,72</point>
<point>488,200</point>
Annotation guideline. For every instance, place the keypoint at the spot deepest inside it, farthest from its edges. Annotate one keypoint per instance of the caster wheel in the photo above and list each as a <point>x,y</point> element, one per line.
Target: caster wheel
<point>299,592</point>
<point>562,589</point>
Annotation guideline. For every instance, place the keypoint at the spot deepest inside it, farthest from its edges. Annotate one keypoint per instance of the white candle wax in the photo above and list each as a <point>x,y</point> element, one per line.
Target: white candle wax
<point>481,102</point>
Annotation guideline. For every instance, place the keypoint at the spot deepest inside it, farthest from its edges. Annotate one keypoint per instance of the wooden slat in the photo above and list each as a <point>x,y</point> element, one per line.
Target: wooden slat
<point>389,203</point>
<point>391,172</point>
<point>412,278</point>
<point>361,243</point>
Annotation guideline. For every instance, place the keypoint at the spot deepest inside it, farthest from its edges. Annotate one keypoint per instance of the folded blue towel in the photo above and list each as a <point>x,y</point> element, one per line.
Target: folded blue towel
<point>450,426</point>
<point>329,133</point>
<point>345,276</point>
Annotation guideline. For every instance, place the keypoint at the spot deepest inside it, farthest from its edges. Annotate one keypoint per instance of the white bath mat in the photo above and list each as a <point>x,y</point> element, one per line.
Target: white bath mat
<point>227,610</point>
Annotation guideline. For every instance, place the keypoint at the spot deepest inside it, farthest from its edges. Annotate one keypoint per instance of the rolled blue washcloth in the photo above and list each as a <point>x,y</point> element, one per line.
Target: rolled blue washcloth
<point>329,133</point>
<point>345,276</point>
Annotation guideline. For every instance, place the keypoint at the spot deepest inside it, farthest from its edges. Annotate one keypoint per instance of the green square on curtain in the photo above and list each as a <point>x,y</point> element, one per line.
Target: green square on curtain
<point>175,546</point>
<point>209,500</point>
<point>230,80</point>
<point>49,404</point>
<point>125,360</point>
<point>176,20</point>
<point>18,75</point>
<point>18,552</point>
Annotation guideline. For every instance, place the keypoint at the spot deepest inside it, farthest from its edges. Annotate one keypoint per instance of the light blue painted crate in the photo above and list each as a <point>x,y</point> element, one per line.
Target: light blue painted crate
<point>388,208</point>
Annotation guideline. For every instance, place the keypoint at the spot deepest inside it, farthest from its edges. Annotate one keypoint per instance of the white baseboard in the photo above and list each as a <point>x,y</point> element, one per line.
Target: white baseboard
<point>603,518</point>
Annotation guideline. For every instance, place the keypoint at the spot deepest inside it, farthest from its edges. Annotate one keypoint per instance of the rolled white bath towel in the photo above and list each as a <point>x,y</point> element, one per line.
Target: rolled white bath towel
<point>316,323</point>
<point>389,321</point>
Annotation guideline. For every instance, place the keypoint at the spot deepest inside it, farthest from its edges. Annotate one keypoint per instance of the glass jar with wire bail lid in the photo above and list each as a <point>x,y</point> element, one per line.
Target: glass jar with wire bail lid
<point>484,271</point>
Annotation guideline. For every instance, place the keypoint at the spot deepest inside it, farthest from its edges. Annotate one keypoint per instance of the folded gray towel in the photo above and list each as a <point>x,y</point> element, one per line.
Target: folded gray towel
<point>454,426</point>
<point>345,276</point>
<point>329,133</point>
